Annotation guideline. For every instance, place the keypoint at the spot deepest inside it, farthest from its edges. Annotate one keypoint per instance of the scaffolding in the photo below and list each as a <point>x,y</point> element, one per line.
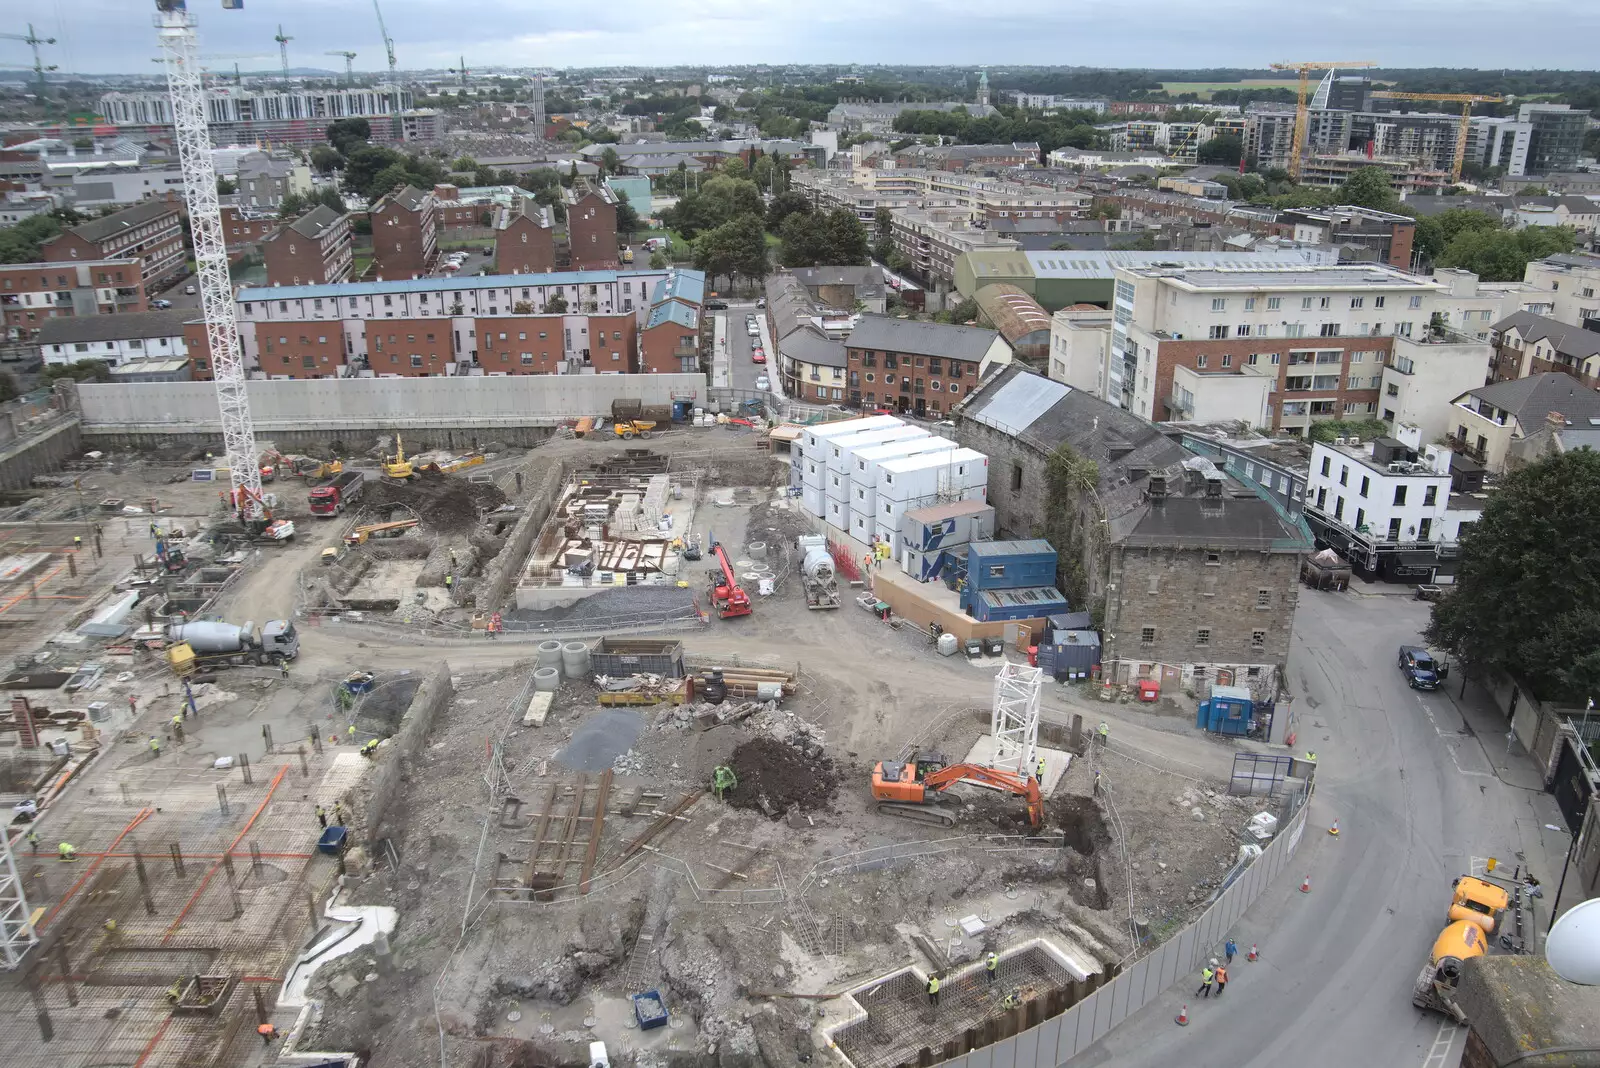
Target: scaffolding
<point>16,928</point>
<point>1014,722</point>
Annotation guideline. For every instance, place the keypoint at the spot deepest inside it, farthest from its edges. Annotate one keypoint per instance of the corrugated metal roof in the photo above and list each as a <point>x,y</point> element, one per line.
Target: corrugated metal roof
<point>1010,548</point>
<point>1095,264</point>
<point>682,284</point>
<point>1017,403</point>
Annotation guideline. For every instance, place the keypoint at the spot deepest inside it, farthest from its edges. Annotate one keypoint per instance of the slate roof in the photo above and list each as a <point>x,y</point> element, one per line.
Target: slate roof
<point>689,286</point>
<point>410,197</point>
<point>99,229</point>
<point>315,222</point>
<point>670,311</point>
<point>920,338</point>
<point>810,346</point>
<point>1531,399</point>
<point>117,327</point>
<point>1567,339</point>
<point>860,277</point>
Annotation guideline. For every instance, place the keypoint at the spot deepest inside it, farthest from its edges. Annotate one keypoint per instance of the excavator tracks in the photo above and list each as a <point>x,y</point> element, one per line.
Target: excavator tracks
<point>906,810</point>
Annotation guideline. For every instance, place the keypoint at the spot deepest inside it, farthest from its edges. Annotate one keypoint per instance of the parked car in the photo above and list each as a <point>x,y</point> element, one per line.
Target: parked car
<point>716,305</point>
<point>758,356</point>
<point>763,383</point>
<point>161,305</point>
<point>189,290</point>
<point>761,302</point>
<point>1420,668</point>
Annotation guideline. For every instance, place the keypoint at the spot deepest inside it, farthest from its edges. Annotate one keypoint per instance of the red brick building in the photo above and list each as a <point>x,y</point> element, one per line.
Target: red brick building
<point>151,230</point>
<point>1326,366</point>
<point>302,350</point>
<point>242,230</point>
<point>919,367</point>
<point>524,240</point>
<point>592,228</point>
<point>314,249</point>
<point>198,345</point>
<point>670,340</point>
<point>413,348</point>
<point>613,342</point>
<point>405,234</point>
<point>30,293</point>
<point>520,344</point>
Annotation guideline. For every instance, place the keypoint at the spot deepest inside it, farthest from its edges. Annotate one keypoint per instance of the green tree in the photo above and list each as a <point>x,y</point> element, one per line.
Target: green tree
<point>226,186</point>
<point>364,164</point>
<point>1435,232</point>
<point>1369,188</point>
<point>658,260</point>
<point>610,162</point>
<point>834,238</point>
<point>80,371</point>
<point>292,205</point>
<point>628,222</point>
<point>347,135</point>
<point>762,172</point>
<point>1225,150</point>
<point>464,163</point>
<point>882,223</point>
<point>1528,583</point>
<point>556,305</point>
<point>1502,256</point>
<point>325,159</point>
<point>8,387</point>
<point>735,167</point>
<point>784,205</point>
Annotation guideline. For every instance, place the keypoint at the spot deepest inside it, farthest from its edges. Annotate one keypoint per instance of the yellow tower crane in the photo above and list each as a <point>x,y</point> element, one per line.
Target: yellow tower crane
<point>1304,70</point>
<point>1466,100</point>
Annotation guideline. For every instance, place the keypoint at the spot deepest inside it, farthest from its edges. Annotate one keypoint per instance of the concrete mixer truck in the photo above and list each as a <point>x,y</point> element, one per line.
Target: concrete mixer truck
<point>817,572</point>
<point>208,643</point>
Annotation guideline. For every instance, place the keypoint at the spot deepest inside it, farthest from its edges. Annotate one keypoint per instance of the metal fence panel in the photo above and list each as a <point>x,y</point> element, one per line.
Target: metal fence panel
<point>1121,995</point>
<point>1067,1038</point>
<point>1089,1022</point>
<point>979,1058</point>
<point>1049,1040</point>
<point>1027,1046</point>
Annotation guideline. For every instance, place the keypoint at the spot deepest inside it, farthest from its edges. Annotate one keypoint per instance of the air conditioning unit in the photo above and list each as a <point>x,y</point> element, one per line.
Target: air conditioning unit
<point>1340,441</point>
<point>1354,441</point>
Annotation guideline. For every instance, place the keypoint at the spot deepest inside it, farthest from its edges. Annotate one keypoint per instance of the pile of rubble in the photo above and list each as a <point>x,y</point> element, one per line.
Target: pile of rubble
<point>703,715</point>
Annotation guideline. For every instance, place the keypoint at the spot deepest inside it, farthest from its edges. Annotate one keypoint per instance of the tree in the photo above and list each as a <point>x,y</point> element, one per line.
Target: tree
<point>784,205</point>
<point>834,238</point>
<point>80,371</point>
<point>1225,150</point>
<point>555,305</point>
<point>325,159</point>
<point>226,186</point>
<point>610,162</point>
<point>1435,232</point>
<point>364,164</point>
<point>291,205</point>
<point>627,218</point>
<point>522,307</point>
<point>347,135</point>
<point>8,387</point>
<point>658,260</point>
<point>883,223</point>
<point>1528,582</point>
<point>464,163</point>
<point>1368,188</point>
<point>735,167</point>
<point>763,171</point>
<point>485,218</point>
<point>1502,256</point>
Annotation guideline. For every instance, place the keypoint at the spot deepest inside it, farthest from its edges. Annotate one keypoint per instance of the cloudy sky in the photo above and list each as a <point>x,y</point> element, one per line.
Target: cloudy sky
<point>111,35</point>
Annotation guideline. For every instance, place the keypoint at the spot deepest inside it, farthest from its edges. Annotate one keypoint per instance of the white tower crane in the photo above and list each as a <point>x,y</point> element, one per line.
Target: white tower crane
<point>175,28</point>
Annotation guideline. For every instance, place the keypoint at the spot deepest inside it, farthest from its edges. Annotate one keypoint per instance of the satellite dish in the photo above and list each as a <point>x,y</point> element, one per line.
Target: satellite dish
<point>1573,946</point>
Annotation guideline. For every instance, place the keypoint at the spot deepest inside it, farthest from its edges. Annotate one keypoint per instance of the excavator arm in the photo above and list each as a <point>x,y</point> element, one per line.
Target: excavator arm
<point>936,782</point>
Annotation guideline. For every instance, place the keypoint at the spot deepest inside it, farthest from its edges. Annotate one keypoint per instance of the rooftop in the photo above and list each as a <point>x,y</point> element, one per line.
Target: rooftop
<point>314,222</point>
<point>1531,399</point>
<point>1567,339</point>
<point>1100,265</point>
<point>1012,311</point>
<point>116,327</point>
<point>811,346</point>
<point>1352,276</point>
<point>1220,522</point>
<point>684,285</point>
<point>143,212</point>
<point>672,311</point>
<point>409,197</point>
<point>920,338</point>
<point>1518,1004</point>
<point>434,285</point>
<point>859,277</point>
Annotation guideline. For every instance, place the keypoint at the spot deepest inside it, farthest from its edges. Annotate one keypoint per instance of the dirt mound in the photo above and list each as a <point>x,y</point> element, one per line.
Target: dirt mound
<point>774,776</point>
<point>443,502</point>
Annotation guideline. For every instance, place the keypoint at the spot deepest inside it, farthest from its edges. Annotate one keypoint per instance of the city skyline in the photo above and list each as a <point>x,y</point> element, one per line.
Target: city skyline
<point>1143,34</point>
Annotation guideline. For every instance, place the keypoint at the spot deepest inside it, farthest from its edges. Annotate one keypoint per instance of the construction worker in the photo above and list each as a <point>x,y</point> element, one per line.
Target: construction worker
<point>322,817</point>
<point>66,851</point>
<point>1222,978</point>
<point>352,731</point>
<point>1207,976</point>
<point>110,927</point>
<point>1105,734</point>
<point>1010,1001</point>
<point>338,813</point>
<point>33,840</point>
<point>370,747</point>
<point>1039,771</point>
<point>133,704</point>
<point>1230,949</point>
<point>933,991</point>
<point>175,991</point>
<point>155,745</point>
<point>77,542</point>
<point>267,1033</point>
<point>449,582</point>
<point>177,722</point>
<point>453,563</point>
<point>991,966</point>
<point>1311,756</point>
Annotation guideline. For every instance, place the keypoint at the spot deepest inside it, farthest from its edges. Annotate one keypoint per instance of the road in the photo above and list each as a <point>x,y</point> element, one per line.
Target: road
<point>743,372</point>
<point>1417,799</point>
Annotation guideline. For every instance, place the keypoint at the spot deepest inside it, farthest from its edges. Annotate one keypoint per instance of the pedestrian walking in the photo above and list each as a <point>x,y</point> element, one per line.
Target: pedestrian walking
<point>33,840</point>
<point>283,668</point>
<point>1039,771</point>
<point>133,705</point>
<point>1229,949</point>
<point>155,746</point>
<point>322,817</point>
<point>991,966</point>
<point>933,991</point>
<point>1222,978</point>
<point>1206,978</point>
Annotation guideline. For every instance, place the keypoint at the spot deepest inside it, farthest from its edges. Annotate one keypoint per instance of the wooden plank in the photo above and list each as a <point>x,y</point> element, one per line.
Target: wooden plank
<point>571,829</point>
<point>538,834</point>
<point>594,832</point>
<point>662,822</point>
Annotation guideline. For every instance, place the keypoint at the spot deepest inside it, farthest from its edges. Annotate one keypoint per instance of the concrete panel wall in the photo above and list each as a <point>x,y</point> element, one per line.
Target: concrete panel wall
<point>40,452</point>
<point>431,698</point>
<point>378,404</point>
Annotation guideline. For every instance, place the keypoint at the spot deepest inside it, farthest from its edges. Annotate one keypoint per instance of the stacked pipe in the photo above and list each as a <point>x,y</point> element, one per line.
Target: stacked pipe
<point>757,682</point>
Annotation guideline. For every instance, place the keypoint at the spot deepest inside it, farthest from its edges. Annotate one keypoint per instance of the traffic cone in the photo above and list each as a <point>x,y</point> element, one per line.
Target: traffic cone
<point>1183,1017</point>
<point>1334,830</point>
<point>1254,953</point>
<point>1305,885</point>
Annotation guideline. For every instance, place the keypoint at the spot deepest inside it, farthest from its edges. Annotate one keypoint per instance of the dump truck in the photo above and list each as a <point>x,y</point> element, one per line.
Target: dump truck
<point>337,495</point>
<point>215,644</point>
<point>633,428</point>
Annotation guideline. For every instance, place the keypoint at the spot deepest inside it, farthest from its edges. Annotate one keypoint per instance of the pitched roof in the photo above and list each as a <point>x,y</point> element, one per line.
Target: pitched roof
<point>839,276</point>
<point>1011,310</point>
<point>689,286</point>
<point>117,327</point>
<point>409,197</point>
<point>263,166</point>
<point>670,311</point>
<point>809,345</point>
<point>920,338</point>
<point>1531,399</point>
<point>1567,339</point>
<point>316,221</point>
<point>99,229</point>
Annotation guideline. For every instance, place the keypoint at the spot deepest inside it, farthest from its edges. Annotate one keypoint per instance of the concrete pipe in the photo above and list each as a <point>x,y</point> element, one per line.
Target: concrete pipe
<point>575,660</point>
<point>550,654</point>
<point>547,679</point>
<point>758,550</point>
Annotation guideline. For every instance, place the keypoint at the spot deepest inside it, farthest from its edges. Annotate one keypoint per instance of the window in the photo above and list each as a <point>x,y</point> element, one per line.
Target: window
<point>1243,330</point>
<point>1219,304</point>
<point>1400,494</point>
<point>1305,303</point>
<point>1274,303</point>
<point>1357,357</point>
<point>1218,333</point>
<point>1416,302</point>
<point>1264,598</point>
<point>1295,330</point>
<point>1361,518</point>
<point>1258,640</point>
<point>1200,360</point>
<point>1327,463</point>
<point>1394,530</point>
<point>1147,635</point>
<point>1344,475</point>
<point>527,359</point>
<point>1250,304</point>
<point>1155,584</point>
<point>1328,330</point>
<point>1016,477</point>
<point>1423,528</point>
<point>1430,496</point>
<point>1366,484</point>
<point>1338,508</point>
<point>1202,636</point>
<point>1356,302</point>
<point>954,388</point>
<point>1227,360</point>
<point>1251,359</point>
<point>1213,559</point>
<point>1355,381</point>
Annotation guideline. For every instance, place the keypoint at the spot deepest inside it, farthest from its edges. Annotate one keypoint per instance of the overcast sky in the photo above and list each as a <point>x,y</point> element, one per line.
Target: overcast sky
<point>117,35</point>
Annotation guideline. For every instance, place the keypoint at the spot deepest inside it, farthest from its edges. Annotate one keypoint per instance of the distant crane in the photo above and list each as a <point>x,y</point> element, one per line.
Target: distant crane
<point>1466,100</point>
<point>33,41</point>
<point>349,75</point>
<point>283,51</point>
<point>460,71</point>
<point>175,29</point>
<point>1304,69</point>
<point>398,131</point>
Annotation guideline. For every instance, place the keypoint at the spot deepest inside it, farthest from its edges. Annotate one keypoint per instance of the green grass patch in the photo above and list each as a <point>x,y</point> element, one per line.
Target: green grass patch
<point>468,242</point>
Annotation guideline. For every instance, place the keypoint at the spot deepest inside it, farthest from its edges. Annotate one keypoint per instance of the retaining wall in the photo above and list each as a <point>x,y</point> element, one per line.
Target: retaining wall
<point>39,451</point>
<point>501,576</point>
<point>383,784</point>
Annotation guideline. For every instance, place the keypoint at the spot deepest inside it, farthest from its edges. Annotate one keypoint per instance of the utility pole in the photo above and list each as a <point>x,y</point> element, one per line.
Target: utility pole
<point>33,41</point>
<point>283,51</point>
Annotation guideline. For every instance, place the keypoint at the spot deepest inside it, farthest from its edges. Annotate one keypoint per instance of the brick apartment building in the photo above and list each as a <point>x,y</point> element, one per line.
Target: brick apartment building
<point>524,240</point>
<point>314,249</point>
<point>1527,344</point>
<point>412,348</point>
<point>300,350</point>
<point>243,230</point>
<point>670,340</point>
<point>910,366</point>
<point>1385,236</point>
<point>405,234</point>
<point>198,344</point>
<point>592,228</point>
<point>151,230</point>
<point>30,293</point>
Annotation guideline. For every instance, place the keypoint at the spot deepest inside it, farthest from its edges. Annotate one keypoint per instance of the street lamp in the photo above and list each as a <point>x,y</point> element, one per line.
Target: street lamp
<point>1572,848</point>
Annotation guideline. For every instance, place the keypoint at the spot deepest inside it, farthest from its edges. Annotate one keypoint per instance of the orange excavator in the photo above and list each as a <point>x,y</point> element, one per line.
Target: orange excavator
<point>915,789</point>
<point>727,596</point>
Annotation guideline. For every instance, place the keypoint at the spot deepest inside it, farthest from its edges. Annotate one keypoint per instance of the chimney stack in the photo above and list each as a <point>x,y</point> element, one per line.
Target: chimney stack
<point>1555,421</point>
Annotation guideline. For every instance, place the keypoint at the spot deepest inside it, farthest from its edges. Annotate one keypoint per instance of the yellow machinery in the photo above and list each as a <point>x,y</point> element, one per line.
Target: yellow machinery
<point>323,469</point>
<point>1478,903</point>
<point>1436,986</point>
<point>1466,100</point>
<point>1304,69</point>
<point>460,463</point>
<point>633,428</point>
<point>359,535</point>
<point>398,466</point>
